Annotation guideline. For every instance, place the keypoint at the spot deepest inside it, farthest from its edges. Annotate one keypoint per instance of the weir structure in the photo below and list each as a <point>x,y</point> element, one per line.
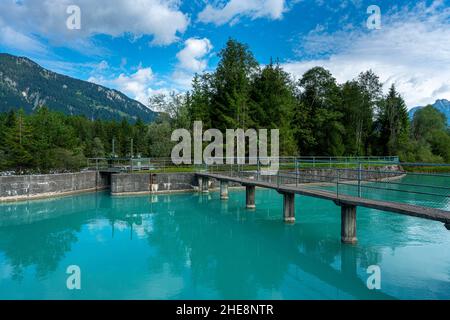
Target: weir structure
<point>335,187</point>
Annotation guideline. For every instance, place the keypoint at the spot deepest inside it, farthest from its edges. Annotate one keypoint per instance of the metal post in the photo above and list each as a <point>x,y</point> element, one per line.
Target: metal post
<point>258,170</point>
<point>131,151</point>
<point>359,180</point>
<point>337,183</point>
<point>113,147</point>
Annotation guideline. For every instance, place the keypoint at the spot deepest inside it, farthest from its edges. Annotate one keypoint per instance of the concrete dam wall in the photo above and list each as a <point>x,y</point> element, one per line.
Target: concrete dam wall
<point>49,185</point>
<point>14,188</point>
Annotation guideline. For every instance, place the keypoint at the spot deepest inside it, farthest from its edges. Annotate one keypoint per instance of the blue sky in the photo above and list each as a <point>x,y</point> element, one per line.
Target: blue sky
<point>145,47</point>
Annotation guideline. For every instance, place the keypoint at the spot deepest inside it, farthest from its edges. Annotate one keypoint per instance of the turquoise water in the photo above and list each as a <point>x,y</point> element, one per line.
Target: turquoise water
<point>192,246</point>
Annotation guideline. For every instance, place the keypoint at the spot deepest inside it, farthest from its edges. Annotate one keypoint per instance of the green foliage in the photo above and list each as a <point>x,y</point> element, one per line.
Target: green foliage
<point>320,102</point>
<point>360,99</point>
<point>272,105</point>
<point>392,126</point>
<point>429,128</point>
<point>50,141</point>
<point>315,116</point>
<point>231,85</point>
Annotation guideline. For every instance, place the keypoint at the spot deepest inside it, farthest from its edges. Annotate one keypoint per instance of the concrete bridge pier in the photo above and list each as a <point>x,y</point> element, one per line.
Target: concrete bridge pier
<point>205,185</point>
<point>348,224</point>
<point>223,190</point>
<point>250,197</point>
<point>289,207</point>
<point>200,183</point>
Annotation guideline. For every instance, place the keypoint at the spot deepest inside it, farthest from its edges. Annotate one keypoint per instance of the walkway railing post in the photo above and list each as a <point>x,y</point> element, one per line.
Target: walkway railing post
<point>258,170</point>
<point>359,179</point>
<point>337,183</point>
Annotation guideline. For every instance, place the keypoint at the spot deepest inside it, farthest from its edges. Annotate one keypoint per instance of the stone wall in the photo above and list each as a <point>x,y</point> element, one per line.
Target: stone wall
<point>157,183</point>
<point>312,175</point>
<point>125,183</point>
<point>39,186</point>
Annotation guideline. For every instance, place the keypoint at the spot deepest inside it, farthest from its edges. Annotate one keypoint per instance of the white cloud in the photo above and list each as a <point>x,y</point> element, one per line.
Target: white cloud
<point>161,19</point>
<point>137,85</point>
<point>411,50</point>
<point>19,41</point>
<point>236,9</point>
<point>142,84</point>
<point>192,56</point>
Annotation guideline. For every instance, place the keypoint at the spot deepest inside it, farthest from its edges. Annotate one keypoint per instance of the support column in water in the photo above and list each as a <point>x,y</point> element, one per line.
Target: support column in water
<point>200,183</point>
<point>224,190</point>
<point>250,197</point>
<point>205,187</point>
<point>289,207</point>
<point>348,224</point>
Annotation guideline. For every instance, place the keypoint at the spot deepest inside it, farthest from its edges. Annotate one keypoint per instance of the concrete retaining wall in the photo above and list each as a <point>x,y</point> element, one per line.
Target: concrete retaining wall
<point>123,184</point>
<point>306,176</point>
<point>156,183</point>
<point>40,186</point>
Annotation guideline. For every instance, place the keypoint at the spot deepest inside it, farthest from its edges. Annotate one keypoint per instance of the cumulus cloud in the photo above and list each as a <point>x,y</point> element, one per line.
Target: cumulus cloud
<point>192,56</point>
<point>161,19</point>
<point>136,85</point>
<point>233,10</point>
<point>411,51</point>
<point>143,83</point>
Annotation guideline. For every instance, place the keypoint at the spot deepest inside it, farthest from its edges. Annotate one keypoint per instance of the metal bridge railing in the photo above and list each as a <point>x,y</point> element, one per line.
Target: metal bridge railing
<point>420,184</point>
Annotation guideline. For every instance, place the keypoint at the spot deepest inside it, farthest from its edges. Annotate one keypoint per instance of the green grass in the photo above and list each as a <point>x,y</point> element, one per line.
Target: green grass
<point>419,169</point>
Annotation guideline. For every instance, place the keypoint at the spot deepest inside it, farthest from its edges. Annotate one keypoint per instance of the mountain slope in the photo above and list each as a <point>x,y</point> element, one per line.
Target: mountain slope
<point>25,84</point>
<point>441,105</point>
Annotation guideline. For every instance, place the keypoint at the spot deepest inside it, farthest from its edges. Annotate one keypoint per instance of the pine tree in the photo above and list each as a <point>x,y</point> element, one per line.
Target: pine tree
<point>320,102</point>
<point>273,103</point>
<point>18,142</point>
<point>231,87</point>
<point>393,123</point>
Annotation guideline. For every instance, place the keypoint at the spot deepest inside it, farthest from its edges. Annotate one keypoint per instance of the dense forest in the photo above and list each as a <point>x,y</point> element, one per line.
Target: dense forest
<point>315,116</point>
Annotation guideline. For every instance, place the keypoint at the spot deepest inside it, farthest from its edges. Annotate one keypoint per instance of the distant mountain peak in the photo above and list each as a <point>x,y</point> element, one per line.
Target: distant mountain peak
<point>25,84</point>
<point>443,105</point>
